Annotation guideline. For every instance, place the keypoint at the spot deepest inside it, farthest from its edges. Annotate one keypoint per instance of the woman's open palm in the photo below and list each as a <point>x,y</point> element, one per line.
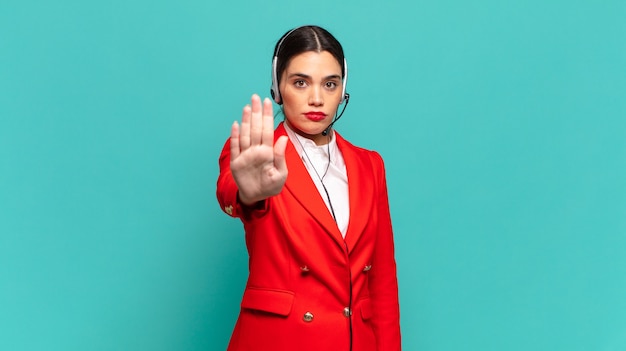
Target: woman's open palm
<point>257,164</point>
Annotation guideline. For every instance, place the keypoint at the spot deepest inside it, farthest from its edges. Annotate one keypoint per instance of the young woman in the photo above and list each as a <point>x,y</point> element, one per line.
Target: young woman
<point>322,273</point>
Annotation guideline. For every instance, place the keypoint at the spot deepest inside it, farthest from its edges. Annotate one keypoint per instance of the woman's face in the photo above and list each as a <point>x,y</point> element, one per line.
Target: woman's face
<point>310,88</point>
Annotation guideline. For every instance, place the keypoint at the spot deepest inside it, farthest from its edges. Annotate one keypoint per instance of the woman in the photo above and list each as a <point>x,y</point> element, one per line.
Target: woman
<point>320,243</point>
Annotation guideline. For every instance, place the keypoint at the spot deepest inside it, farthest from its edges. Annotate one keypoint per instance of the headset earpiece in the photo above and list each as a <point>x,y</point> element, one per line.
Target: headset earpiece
<point>274,91</point>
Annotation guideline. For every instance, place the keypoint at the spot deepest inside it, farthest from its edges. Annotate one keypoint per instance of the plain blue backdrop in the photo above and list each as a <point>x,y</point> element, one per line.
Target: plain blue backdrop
<point>502,124</point>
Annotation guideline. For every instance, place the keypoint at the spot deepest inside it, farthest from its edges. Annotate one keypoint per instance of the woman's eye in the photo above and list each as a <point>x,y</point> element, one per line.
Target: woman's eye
<point>299,83</point>
<point>331,85</point>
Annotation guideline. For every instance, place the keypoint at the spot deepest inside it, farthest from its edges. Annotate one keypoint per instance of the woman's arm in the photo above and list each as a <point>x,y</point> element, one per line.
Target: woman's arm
<point>252,167</point>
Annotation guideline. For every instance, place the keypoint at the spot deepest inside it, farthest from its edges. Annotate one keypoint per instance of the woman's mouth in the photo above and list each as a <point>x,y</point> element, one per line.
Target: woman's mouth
<point>315,116</point>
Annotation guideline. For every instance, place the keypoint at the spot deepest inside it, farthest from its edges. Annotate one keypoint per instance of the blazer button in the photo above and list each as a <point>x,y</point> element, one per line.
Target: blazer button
<point>304,269</point>
<point>347,312</point>
<point>229,209</point>
<point>367,268</point>
<point>308,317</point>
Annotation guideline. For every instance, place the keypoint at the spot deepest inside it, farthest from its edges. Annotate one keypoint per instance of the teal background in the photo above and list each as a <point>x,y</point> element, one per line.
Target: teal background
<point>502,124</point>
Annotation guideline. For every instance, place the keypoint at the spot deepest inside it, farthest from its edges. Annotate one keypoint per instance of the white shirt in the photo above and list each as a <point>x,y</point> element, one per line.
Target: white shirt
<point>335,179</point>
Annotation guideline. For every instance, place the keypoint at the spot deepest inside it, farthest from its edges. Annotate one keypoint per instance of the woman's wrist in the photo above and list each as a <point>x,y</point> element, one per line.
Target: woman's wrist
<point>250,203</point>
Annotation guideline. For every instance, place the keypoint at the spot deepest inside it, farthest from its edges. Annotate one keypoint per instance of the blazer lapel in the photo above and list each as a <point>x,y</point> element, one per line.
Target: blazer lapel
<point>360,190</point>
<point>301,186</point>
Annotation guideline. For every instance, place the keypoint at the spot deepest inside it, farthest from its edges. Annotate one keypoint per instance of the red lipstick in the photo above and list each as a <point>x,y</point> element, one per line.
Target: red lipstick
<point>315,116</point>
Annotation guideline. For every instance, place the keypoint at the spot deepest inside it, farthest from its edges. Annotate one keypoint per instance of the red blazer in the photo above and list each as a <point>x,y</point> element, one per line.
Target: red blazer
<point>308,288</point>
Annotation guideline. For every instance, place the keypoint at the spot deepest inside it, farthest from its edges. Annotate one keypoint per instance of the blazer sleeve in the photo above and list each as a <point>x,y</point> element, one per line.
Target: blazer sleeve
<point>227,191</point>
<point>383,281</point>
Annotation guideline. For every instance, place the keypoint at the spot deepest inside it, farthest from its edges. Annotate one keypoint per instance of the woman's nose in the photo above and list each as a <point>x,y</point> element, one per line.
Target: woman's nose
<point>315,98</point>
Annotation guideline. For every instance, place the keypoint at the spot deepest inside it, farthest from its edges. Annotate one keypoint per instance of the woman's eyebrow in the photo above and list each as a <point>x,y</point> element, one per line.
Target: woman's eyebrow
<point>300,75</point>
<point>333,76</point>
<point>306,76</point>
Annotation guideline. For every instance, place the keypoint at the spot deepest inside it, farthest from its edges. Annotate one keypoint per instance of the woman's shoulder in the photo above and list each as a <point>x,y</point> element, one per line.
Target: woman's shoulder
<point>361,152</point>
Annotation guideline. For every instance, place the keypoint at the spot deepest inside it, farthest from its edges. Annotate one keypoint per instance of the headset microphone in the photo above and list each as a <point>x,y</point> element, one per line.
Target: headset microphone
<point>346,98</point>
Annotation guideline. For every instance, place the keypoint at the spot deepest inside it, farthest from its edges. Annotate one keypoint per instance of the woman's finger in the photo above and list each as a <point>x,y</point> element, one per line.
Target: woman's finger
<point>279,154</point>
<point>256,121</point>
<point>268,123</point>
<point>244,131</point>
<point>234,141</point>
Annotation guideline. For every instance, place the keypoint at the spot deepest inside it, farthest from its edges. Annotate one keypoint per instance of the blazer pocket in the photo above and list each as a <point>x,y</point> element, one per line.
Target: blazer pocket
<point>366,309</point>
<point>273,301</point>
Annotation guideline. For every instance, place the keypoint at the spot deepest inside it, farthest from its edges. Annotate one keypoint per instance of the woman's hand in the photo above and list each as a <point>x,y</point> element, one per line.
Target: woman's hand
<point>257,164</point>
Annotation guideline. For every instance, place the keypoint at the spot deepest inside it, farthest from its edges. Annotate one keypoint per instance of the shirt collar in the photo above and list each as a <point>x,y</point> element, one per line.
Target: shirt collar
<point>300,142</point>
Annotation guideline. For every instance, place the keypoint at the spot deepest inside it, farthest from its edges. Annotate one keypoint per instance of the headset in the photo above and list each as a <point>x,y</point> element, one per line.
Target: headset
<point>275,92</point>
